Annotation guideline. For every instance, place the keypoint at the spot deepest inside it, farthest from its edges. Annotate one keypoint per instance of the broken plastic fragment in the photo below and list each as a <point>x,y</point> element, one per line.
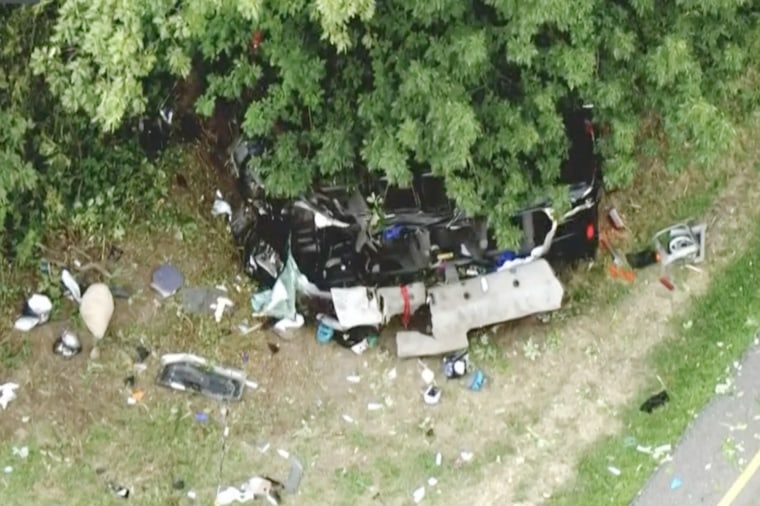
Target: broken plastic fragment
<point>7,394</point>
<point>360,347</point>
<point>221,206</point>
<point>428,376</point>
<point>167,280</point>
<point>348,419</point>
<point>675,483</point>
<point>22,452</point>
<point>36,312</point>
<point>614,470</point>
<point>418,495</point>
<point>67,345</point>
<point>432,481</point>
<point>222,303</point>
<point>374,406</point>
<point>71,285</point>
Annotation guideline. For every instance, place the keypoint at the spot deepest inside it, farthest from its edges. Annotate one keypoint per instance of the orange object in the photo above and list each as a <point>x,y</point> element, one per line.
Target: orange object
<point>617,272</point>
<point>667,284</point>
<point>138,395</point>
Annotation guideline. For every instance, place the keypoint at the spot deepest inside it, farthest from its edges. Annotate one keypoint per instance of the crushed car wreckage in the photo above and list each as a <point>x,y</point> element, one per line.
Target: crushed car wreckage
<point>380,251</point>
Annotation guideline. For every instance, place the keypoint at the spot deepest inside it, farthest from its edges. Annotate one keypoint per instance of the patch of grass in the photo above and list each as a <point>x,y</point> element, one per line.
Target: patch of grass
<point>13,353</point>
<point>690,364</point>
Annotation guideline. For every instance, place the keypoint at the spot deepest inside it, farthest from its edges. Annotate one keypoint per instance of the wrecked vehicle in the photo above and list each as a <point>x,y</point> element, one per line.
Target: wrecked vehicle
<point>382,234</point>
<point>379,251</point>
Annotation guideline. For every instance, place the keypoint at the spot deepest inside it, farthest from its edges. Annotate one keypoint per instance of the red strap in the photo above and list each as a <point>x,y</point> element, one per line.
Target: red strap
<point>406,316</point>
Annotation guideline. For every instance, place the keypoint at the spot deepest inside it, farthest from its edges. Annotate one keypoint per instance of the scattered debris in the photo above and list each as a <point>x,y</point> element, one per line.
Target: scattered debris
<point>432,481</point>
<point>432,395</point>
<point>67,345</point>
<point>142,353</point>
<point>662,452</point>
<point>456,365</point>
<point>7,394</point>
<point>615,219</point>
<point>675,483</point>
<point>221,207</point>
<point>273,348</point>
<point>200,299</point>
<point>8,469</point>
<point>96,309</point>
<point>726,387</point>
<point>254,488</point>
<point>324,333</point>
<point>667,283</point>
<point>294,476</point>
<point>22,452</point>
<point>167,280</point>
<point>418,495</point>
<point>643,258</point>
<point>466,456</point>
<point>119,490</point>
<point>36,311</point>
<point>614,470</point>
<point>71,285</point>
<point>478,379</point>
<point>201,416</point>
<point>178,484</point>
<point>348,419</point>
<point>186,372</point>
<point>619,268</point>
<point>374,406</point>
<point>655,401</point>
<point>438,459</point>
<point>354,378</point>
<point>221,304</point>
<point>681,242</point>
<point>135,396</point>
<point>427,374</point>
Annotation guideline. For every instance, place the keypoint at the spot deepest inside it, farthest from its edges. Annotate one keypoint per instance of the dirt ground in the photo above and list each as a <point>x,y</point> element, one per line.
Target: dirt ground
<point>552,390</point>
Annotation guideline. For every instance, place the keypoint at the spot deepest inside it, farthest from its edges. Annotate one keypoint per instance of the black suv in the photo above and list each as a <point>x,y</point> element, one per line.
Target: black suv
<point>380,234</point>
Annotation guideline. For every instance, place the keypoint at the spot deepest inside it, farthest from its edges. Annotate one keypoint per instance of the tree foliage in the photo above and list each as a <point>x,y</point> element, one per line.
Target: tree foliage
<point>57,169</point>
<point>471,89</point>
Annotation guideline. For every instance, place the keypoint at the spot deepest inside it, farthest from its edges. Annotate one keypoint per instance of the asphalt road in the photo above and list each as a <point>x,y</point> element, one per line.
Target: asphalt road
<point>717,461</point>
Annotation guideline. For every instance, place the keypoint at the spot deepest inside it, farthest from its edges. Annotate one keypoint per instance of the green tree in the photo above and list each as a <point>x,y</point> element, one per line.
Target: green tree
<point>471,89</point>
<point>57,168</point>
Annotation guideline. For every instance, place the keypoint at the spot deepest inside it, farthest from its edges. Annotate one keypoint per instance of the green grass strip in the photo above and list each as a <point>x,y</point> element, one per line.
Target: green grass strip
<point>690,364</point>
